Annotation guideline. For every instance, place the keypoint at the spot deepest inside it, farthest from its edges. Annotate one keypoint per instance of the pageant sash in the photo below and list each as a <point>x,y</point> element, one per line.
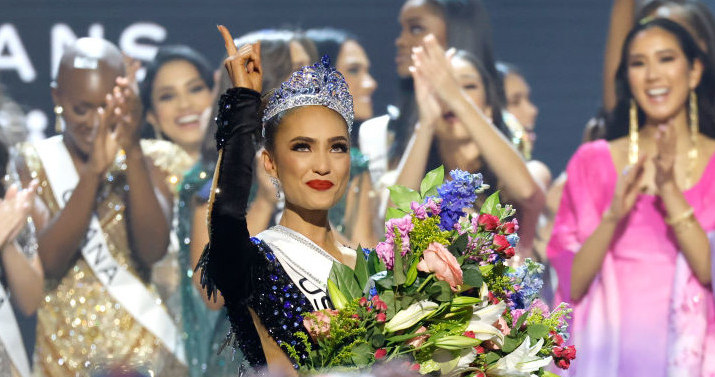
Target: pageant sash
<point>122,285</point>
<point>10,336</point>
<point>305,262</point>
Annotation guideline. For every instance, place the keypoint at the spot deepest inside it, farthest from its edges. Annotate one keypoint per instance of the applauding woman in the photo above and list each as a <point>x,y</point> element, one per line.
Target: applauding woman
<point>630,240</point>
<point>457,99</point>
<point>268,281</point>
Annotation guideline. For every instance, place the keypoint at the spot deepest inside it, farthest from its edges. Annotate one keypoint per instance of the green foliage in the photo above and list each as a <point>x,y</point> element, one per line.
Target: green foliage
<point>431,181</point>
<point>402,197</point>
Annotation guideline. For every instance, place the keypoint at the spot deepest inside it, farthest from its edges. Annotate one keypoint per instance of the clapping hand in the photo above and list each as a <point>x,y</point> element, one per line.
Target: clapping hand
<point>105,144</point>
<point>128,109</point>
<point>14,209</point>
<point>433,64</point>
<point>628,187</point>
<point>243,64</point>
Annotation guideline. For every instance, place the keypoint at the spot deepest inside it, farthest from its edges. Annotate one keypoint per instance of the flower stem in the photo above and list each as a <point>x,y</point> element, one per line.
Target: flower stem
<point>424,283</point>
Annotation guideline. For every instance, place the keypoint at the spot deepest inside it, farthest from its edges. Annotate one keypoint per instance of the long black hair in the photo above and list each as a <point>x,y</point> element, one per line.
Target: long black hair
<point>329,41</point>
<point>619,119</point>
<point>468,29</point>
<point>167,54</point>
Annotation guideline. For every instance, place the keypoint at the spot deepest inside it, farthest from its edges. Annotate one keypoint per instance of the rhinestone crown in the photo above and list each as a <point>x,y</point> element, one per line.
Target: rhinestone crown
<point>317,84</point>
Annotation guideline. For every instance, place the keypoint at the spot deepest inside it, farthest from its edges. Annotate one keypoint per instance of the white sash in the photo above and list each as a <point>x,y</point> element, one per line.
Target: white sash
<point>305,262</point>
<point>10,336</point>
<point>122,285</point>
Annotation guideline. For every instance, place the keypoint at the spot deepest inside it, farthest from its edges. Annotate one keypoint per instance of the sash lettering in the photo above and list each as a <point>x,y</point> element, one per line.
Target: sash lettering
<point>121,284</point>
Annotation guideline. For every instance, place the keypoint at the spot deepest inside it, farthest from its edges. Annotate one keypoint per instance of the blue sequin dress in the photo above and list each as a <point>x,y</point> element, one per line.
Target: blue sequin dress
<point>245,269</point>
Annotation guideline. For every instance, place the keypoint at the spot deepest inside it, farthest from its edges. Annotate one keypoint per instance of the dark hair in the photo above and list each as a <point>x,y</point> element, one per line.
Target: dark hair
<point>619,119</point>
<point>4,159</point>
<point>167,54</point>
<point>329,41</point>
<point>276,61</point>
<point>490,88</point>
<point>697,14</point>
<point>164,55</point>
<point>468,29</point>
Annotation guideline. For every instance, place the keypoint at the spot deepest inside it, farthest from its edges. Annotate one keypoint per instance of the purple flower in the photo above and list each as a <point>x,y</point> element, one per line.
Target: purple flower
<point>457,194</point>
<point>420,211</point>
<point>385,251</point>
<point>434,205</point>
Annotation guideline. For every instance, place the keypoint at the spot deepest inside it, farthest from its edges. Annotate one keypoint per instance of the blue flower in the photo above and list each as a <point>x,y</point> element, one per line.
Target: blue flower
<point>457,194</point>
<point>366,253</point>
<point>527,278</point>
<point>513,239</point>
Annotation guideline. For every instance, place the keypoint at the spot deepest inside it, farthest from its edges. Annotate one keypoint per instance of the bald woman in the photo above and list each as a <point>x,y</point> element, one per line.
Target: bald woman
<point>103,221</point>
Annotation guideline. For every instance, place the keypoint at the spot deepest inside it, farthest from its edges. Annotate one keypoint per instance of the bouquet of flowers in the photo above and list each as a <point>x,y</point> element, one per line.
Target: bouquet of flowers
<point>440,293</point>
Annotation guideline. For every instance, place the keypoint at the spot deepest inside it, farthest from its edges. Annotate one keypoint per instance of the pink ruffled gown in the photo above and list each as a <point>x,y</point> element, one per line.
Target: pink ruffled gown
<point>645,314</point>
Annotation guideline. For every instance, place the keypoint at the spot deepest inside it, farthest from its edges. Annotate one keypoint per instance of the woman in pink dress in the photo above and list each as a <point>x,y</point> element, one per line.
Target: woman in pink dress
<point>631,238</point>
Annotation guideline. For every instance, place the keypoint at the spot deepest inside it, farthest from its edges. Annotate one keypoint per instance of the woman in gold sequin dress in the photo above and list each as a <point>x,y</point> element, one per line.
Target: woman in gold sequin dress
<point>103,221</point>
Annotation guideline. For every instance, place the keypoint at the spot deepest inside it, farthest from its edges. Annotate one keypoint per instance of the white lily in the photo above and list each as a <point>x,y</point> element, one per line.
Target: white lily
<point>521,362</point>
<point>448,364</point>
<point>407,318</point>
<point>482,323</point>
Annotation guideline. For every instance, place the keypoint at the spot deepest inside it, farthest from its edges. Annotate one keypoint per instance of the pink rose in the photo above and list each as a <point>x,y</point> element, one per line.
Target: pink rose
<point>439,260</point>
<point>488,222</point>
<point>502,326</point>
<point>418,340</point>
<point>500,243</point>
<point>319,327</point>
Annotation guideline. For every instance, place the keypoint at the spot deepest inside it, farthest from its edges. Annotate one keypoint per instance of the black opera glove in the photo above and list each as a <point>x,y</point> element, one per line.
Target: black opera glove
<point>237,113</point>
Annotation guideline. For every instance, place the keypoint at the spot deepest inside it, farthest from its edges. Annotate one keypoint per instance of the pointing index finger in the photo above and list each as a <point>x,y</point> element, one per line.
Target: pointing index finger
<point>228,40</point>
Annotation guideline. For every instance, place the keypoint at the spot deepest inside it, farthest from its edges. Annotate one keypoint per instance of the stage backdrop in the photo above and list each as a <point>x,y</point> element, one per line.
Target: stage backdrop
<point>557,43</point>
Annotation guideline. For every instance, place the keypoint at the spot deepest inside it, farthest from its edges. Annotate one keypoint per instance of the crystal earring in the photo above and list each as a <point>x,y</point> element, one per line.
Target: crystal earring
<point>633,134</point>
<point>58,119</point>
<point>277,185</point>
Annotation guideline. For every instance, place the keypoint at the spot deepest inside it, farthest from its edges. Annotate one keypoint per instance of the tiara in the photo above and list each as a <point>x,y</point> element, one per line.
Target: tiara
<point>317,84</point>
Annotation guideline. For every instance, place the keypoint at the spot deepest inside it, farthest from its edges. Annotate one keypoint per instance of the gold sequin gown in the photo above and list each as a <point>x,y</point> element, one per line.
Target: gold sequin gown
<point>81,328</point>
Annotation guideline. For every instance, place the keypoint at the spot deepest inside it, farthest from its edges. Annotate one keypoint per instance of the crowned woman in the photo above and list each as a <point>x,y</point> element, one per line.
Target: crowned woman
<point>268,281</point>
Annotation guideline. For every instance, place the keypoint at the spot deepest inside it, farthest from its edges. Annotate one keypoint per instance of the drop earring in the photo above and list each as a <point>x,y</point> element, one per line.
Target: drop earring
<point>59,128</point>
<point>277,185</point>
<point>633,134</point>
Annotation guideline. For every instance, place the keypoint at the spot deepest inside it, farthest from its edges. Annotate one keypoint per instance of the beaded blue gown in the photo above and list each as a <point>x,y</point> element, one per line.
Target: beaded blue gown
<point>244,269</point>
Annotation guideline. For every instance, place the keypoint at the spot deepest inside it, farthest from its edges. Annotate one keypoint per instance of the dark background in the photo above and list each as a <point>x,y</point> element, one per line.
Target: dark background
<point>558,44</point>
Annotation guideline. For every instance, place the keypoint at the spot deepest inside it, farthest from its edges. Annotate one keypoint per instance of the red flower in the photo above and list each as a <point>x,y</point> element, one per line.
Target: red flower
<point>508,253</point>
<point>480,374</point>
<point>479,349</point>
<point>510,227</point>
<point>563,363</point>
<point>381,317</point>
<point>415,367</point>
<point>363,301</point>
<point>500,243</point>
<point>356,316</point>
<point>470,334</point>
<point>380,353</point>
<point>569,352</point>
<point>558,351</point>
<point>558,340</point>
<point>379,305</point>
<point>488,222</point>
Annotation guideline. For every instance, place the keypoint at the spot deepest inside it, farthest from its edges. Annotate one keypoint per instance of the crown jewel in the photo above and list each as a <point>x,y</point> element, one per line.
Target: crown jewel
<point>317,84</point>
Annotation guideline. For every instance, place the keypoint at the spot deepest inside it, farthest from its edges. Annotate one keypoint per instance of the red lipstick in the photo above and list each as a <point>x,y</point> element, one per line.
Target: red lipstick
<point>319,184</point>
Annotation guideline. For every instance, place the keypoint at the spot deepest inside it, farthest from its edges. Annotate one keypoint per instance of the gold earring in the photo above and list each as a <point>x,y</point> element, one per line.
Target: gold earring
<point>633,133</point>
<point>58,119</point>
<point>694,123</point>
